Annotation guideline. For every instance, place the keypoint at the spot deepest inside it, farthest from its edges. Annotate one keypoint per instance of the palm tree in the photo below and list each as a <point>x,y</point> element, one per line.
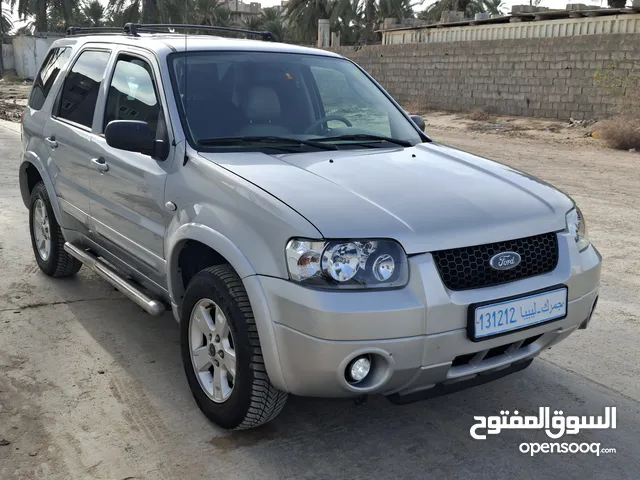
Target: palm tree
<point>123,11</point>
<point>494,7</point>
<point>274,21</point>
<point>433,13</point>
<point>346,18</point>
<point>210,12</point>
<point>6,25</point>
<point>303,16</point>
<point>42,9</point>
<point>398,9</point>
<point>94,13</point>
<point>252,22</point>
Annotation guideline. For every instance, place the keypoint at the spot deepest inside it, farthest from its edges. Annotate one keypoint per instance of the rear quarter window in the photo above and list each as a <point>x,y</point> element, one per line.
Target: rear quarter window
<point>55,61</point>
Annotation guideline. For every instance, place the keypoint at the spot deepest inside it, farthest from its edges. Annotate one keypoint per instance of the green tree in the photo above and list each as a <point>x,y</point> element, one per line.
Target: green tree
<point>252,22</point>
<point>433,12</point>
<point>274,21</point>
<point>398,9</point>
<point>210,12</point>
<point>94,13</point>
<point>42,11</point>
<point>494,7</point>
<point>303,16</point>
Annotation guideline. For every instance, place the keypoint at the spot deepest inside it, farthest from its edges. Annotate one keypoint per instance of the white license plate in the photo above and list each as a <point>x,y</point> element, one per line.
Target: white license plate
<point>506,316</point>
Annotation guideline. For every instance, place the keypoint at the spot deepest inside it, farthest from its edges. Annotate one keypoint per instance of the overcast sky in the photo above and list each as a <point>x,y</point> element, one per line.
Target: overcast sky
<point>558,4</point>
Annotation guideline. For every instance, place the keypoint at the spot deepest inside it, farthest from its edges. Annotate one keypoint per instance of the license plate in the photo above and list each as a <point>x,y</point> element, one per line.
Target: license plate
<point>501,317</point>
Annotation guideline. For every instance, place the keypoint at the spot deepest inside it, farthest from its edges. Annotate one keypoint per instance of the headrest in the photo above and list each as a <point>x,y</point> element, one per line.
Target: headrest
<point>262,104</point>
<point>201,79</point>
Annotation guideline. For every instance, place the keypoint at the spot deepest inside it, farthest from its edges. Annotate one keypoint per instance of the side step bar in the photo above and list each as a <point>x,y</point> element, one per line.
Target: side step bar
<point>154,307</point>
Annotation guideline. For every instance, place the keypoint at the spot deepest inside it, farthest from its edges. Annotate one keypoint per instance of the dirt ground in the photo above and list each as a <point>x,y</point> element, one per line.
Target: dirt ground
<point>91,388</point>
<point>13,97</point>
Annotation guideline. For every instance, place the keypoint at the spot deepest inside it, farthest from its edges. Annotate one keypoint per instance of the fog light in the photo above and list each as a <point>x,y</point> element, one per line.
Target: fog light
<point>359,369</point>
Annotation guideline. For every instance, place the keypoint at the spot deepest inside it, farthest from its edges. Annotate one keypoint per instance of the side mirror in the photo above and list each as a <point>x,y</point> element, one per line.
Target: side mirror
<point>419,121</point>
<point>130,135</point>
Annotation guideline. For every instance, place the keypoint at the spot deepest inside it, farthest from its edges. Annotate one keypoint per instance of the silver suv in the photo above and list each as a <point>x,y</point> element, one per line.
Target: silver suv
<point>308,236</point>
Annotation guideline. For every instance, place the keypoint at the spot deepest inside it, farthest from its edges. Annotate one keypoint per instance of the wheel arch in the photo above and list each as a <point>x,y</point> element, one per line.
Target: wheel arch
<point>197,236</point>
<point>30,173</point>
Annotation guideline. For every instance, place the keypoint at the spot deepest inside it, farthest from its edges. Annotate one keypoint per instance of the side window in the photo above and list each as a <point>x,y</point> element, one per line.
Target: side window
<point>56,60</point>
<point>339,98</point>
<point>132,93</point>
<point>81,87</point>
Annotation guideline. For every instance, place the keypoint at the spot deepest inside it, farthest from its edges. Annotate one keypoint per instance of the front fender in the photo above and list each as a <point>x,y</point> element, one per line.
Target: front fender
<point>241,264</point>
<point>209,237</point>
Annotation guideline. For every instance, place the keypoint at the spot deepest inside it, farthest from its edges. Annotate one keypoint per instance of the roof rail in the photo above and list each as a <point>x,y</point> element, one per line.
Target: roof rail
<point>87,30</point>
<point>135,28</point>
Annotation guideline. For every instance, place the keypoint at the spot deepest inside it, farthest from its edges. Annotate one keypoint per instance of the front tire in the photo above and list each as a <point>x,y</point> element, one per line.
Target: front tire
<point>46,237</point>
<point>221,352</point>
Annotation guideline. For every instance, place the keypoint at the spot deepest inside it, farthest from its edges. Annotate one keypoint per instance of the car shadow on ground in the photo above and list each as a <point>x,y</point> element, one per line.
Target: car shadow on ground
<point>337,438</point>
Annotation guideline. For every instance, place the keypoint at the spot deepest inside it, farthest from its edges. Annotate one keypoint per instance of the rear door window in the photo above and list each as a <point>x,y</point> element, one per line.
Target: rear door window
<point>81,87</point>
<point>56,60</point>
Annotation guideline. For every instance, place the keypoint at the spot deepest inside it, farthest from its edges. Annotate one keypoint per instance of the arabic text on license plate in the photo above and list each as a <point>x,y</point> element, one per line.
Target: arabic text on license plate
<point>519,313</point>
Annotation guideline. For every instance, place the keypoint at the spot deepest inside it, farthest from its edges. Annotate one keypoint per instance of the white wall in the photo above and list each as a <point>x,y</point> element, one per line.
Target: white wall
<point>566,27</point>
<point>7,56</point>
<point>29,53</point>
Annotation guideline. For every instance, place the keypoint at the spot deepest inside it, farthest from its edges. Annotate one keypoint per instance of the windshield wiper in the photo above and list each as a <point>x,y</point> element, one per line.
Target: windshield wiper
<point>231,141</point>
<point>364,136</point>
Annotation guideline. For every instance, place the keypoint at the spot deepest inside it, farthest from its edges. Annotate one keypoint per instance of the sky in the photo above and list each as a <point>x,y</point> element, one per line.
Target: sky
<point>557,4</point>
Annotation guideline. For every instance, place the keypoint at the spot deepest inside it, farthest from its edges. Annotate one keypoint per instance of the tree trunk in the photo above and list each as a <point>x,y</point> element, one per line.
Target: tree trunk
<point>41,16</point>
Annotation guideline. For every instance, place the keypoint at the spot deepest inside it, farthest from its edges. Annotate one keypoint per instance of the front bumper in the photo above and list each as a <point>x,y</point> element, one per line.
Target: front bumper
<point>415,336</point>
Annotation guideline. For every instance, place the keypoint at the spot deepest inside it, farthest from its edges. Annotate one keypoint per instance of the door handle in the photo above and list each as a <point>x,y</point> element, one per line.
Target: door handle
<point>100,164</point>
<point>51,141</point>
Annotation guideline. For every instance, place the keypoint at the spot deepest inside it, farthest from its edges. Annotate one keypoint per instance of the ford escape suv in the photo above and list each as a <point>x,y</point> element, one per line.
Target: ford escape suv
<point>308,236</point>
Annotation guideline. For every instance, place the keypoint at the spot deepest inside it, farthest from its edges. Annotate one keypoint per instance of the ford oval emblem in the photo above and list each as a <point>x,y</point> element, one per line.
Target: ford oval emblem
<point>505,261</point>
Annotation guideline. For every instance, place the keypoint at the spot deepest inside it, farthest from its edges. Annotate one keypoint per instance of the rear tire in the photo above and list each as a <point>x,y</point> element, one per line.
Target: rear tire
<point>232,390</point>
<point>46,237</point>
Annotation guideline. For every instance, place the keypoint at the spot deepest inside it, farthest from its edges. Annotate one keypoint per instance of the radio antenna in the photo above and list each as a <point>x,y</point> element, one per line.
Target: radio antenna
<point>186,83</point>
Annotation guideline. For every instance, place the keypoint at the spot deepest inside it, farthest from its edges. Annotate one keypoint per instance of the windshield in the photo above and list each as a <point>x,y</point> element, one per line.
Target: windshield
<point>237,100</point>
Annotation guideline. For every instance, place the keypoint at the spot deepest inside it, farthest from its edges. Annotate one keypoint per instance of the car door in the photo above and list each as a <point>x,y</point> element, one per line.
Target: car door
<point>67,133</point>
<point>128,209</point>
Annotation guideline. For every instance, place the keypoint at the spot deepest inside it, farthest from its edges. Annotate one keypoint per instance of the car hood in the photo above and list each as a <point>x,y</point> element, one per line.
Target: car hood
<point>428,197</point>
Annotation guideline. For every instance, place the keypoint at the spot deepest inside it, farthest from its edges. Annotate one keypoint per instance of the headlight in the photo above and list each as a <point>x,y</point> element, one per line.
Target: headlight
<point>347,263</point>
<point>577,227</point>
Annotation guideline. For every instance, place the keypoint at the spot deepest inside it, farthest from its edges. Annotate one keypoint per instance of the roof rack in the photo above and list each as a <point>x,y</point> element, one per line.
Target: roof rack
<point>86,30</point>
<point>135,28</point>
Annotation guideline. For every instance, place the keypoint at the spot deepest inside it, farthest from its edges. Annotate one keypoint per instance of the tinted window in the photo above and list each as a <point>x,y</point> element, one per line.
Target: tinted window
<point>80,90</point>
<point>339,98</point>
<point>260,94</point>
<point>56,60</point>
<point>132,95</point>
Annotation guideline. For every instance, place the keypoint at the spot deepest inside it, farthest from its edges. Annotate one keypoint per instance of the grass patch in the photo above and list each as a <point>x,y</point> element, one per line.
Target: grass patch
<point>621,133</point>
<point>479,115</point>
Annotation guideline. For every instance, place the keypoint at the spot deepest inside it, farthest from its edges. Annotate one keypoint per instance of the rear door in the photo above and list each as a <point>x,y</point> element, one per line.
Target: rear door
<point>67,132</point>
<point>129,210</point>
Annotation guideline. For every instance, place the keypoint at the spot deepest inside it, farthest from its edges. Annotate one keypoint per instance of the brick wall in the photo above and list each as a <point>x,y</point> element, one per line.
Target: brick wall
<point>542,77</point>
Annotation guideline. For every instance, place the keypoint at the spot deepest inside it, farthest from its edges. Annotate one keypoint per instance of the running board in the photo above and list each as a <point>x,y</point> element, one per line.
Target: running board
<point>154,307</point>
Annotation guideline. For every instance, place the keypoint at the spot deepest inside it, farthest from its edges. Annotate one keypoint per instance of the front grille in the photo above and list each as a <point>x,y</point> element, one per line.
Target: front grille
<point>468,267</point>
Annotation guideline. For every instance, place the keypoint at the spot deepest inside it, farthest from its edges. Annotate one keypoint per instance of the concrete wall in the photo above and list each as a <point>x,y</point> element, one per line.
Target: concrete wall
<point>7,56</point>
<point>565,27</point>
<point>29,53</point>
<point>543,77</point>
